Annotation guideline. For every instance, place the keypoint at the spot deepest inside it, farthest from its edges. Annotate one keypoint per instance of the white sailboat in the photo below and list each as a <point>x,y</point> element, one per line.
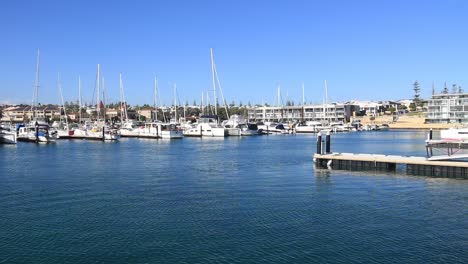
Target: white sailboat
<point>62,127</point>
<point>208,125</point>
<point>98,130</point>
<point>37,130</point>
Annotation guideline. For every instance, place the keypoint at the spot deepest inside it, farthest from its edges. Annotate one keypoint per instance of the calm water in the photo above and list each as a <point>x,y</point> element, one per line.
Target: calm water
<point>233,200</point>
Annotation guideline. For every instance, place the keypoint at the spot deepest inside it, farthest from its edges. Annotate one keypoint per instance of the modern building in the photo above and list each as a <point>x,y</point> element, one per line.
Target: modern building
<point>447,108</point>
<point>323,113</point>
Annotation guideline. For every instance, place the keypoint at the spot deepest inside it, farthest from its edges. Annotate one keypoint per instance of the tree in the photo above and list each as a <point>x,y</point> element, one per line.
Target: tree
<point>417,90</point>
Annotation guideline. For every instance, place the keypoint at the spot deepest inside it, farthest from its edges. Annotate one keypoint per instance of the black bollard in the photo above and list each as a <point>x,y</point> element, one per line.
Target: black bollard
<point>103,133</point>
<point>319,143</point>
<point>327,143</point>
<point>430,134</point>
<point>37,133</point>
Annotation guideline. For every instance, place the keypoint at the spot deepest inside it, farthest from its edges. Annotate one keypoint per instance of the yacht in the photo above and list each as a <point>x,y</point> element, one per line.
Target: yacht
<point>35,132</point>
<point>205,127</point>
<point>160,130</point>
<point>273,128</point>
<point>131,128</point>
<point>250,129</point>
<point>96,131</point>
<point>233,125</point>
<point>308,127</point>
<point>7,136</point>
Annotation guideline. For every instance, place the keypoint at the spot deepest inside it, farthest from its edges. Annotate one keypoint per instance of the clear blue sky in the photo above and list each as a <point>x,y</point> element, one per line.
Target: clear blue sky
<point>365,49</point>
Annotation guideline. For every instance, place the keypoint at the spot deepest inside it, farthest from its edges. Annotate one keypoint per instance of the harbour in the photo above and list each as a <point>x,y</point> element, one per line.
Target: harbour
<point>224,132</point>
<point>143,200</point>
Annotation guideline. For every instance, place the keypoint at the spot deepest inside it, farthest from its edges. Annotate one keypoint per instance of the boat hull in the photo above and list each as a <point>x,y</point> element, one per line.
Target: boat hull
<point>7,138</point>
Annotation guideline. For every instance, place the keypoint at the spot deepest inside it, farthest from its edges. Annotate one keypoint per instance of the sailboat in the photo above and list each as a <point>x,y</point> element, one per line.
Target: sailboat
<point>98,130</point>
<point>38,129</point>
<point>129,128</point>
<point>207,125</point>
<point>159,129</point>
<point>62,127</point>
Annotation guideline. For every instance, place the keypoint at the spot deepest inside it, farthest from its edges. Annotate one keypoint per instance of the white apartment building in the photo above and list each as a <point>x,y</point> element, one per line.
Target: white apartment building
<point>448,108</point>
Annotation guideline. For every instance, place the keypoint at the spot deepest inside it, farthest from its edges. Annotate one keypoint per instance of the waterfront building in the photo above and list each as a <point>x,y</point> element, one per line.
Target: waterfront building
<point>334,112</point>
<point>447,108</point>
<point>23,113</point>
<point>367,108</point>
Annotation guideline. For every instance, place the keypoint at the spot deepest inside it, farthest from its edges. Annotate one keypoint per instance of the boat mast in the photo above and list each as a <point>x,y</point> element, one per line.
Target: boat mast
<point>221,91</point>
<point>104,101</point>
<point>175,102</point>
<point>280,105</point>
<point>303,102</point>
<point>59,83</point>
<point>214,83</point>
<point>98,108</point>
<point>36,86</point>
<point>155,105</point>
<point>202,106</point>
<point>326,102</point>
<point>123,102</point>
<point>185,117</point>
<point>79,96</point>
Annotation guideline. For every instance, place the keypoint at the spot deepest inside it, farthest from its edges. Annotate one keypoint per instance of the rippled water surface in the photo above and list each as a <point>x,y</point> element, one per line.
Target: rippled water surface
<point>233,200</point>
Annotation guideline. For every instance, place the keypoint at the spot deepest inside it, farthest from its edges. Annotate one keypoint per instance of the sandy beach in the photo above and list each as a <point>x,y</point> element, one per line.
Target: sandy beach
<point>407,122</point>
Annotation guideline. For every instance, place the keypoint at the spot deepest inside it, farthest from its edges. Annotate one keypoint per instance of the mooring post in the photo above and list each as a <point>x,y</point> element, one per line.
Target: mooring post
<point>319,143</point>
<point>430,134</point>
<point>327,143</point>
<point>37,132</point>
<point>103,133</point>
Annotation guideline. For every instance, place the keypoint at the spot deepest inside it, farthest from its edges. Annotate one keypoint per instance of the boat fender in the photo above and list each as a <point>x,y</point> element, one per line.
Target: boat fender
<point>329,163</point>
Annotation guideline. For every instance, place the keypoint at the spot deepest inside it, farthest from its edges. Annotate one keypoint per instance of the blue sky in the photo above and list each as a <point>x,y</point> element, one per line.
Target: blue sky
<point>369,50</point>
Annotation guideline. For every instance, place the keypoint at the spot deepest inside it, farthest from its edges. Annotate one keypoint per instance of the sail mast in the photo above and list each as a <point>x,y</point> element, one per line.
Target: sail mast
<point>98,108</point>
<point>104,101</point>
<point>303,102</point>
<point>59,83</point>
<point>175,102</point>
<point>36,86</point>
<point>214,83</point>
<point>123,102</point>
<point>326,101</point>
<point>79,96</point>
<point>155,105</point>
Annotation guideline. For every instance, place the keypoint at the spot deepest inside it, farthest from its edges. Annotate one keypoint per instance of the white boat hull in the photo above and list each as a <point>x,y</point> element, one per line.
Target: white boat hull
<point>232,131</point>
<point>7,138</point>
<point>171,134</point>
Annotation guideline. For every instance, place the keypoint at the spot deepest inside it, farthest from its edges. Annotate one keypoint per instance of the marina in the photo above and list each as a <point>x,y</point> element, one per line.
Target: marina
<point>224,132</point>
<point>208,194</point>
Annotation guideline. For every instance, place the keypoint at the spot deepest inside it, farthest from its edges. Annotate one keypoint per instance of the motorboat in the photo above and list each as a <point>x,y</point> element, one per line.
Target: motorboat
<point>273,128</point>
<point>250,129</point>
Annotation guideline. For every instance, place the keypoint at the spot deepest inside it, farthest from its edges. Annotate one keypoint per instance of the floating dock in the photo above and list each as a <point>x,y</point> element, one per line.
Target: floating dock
<point>446,166</point>
<point>412,165</point>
